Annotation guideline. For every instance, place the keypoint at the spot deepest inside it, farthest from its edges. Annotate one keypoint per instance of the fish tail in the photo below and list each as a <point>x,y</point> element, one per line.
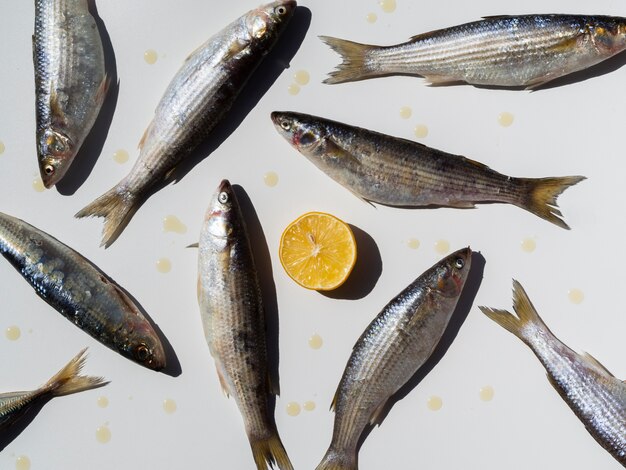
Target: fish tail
<point>334,460</point>
<point>541,194</point>
<point>116,207</point>
<point>67,380</point>
<point>354,65</point>
<point>270,451</point>
<point>527,321</point>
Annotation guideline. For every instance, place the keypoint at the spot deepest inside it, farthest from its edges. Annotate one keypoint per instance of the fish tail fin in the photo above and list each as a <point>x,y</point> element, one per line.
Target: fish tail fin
<point>540,196</point>
<point>527,321</point>
<point>334,460</point>
<point>116,207</point>
<point>68,380</point>
<point>354,65</point>
<point>270,451</point>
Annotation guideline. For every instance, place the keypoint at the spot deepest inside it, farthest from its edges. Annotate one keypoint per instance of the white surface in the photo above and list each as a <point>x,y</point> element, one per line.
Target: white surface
<point>573,129</point>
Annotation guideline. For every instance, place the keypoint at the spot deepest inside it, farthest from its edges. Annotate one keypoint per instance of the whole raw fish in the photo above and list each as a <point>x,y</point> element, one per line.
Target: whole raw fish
<point>390,351</point>
<point>398,172</point>
<point>233,318</point>
<point>14,405</point>
<point>512,51</point>
<point>195,101</point>
<point>595,395</point>
<point>82,293</point>
<point>70,82</point>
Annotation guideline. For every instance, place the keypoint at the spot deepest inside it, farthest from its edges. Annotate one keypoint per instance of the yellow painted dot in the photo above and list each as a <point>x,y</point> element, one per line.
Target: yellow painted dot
<point>2,147</point>
<point>293,89</point>
<point>405,112</point>
<point>315,341</point>
<point>121,156</point>
<point>421,131</point>
<point>169,406</point>
<point>413,243</point>
<point>576,296</point>
<point>293,409</point>
<point>150,56</point>
<point>388,6</point>
<point>309,405</point>
<point>13,333</point>
<point>271,179</point>
<point>506,119</point>
<point>529,245</point>
<point>371,17</point>
<point>103,434</point>
<point>434,403</point>
<point>486,393</point>
<point>164,265</point>
<point>103,402</point>
<point>22,463</point>
<point>302,77</point>
<point>38,185</point>
<point>171,223</point>
<point>442,247</point>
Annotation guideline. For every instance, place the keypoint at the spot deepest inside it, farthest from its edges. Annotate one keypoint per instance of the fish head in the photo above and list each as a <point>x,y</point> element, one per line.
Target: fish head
<point>268,21</point>
<point>302,131</point>
<point>609,35</point>
<point>55,151</point>
<point>140,343</point>
<point>449,275</point>
<point>219,219</point>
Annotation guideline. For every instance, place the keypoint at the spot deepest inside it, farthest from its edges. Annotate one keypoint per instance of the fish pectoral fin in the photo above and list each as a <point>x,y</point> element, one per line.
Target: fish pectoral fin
<point>223,382</point>
<point>58,116</point>
<point>124,297</point>
<point>589,358</point>
<point>333,147</point>
<point>434,80</point>
<point>461,204</point>
<point>236,48</point>
<point>193,245</point>
<point>538,82</point>
<point>169,174</point>
<point>103,89</point>
<point>272,386</point>
<point>144,137</point>
<point>379,414</point>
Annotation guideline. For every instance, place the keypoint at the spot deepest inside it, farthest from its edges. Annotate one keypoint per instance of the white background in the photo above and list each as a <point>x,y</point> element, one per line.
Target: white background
<point>576,128</point>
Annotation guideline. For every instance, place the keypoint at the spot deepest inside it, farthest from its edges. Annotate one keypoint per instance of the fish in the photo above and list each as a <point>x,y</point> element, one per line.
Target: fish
<point>397,342</point>
<point>196,100</point>
<point>71,82</point>
<point>78,290</point>
<point>593,393</point>
<point>397,172</point>
<point>234,324</point>
<point>502,51</point>
<point>14,405</point>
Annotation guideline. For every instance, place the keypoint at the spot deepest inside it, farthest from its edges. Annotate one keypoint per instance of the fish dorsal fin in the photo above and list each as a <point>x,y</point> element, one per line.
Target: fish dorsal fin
<point>479,165</point>
<point>595,362</point>
<point>144,137</point>
<point>333,404</point>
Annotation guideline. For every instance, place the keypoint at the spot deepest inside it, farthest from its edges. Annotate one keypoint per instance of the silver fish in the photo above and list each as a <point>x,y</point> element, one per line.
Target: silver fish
<point>70,82</point>
<point>14,405</point>
<point>393,347</point>
<point>82,293</point>
<point>512,51</point>
<point>595,395</point>
<point>232,313</point>
<point>195,101</point>
<point>398,172</point>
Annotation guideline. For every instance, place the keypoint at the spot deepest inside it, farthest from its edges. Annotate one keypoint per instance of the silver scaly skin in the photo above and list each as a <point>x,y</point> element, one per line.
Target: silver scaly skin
<point>197,98</point>
<point>398,172</point>
<point>14,405</point>
<point>78,290</point>
<point>595,395</point>
<point>70,82</point>
<point>232,313</point>
<point>512,51</point>
<point>393,347</point>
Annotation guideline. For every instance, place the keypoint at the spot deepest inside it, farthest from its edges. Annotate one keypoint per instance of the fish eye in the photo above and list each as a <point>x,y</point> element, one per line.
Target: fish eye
<point>223,197</point>
<point>459,263</point>
<point>48,170</point>
<point>281,10</point>
<point>142,353</point>
<point>307,138</point>
<point>285,125</point>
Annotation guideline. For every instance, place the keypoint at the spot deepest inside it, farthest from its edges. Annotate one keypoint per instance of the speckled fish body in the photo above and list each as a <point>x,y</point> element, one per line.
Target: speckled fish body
<point>232,314</point>
<point>14,405</point>
<point>197,98</point>
<point>392,348</point>
<point>70,82</point>
<point>595,395</point>
<point>398,172</point>
<point>512,51</point>
<point>80,292</point>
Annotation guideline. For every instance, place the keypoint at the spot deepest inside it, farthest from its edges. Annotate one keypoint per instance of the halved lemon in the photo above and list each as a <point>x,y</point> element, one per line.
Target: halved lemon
<point>318,251</point>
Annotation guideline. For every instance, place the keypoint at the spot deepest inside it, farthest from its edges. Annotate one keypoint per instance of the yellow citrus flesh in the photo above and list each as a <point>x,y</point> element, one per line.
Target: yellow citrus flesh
<point>318,251</point>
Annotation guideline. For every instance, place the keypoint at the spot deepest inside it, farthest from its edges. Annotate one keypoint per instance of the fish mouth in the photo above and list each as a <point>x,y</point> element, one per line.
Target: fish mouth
<point>224,186</point>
